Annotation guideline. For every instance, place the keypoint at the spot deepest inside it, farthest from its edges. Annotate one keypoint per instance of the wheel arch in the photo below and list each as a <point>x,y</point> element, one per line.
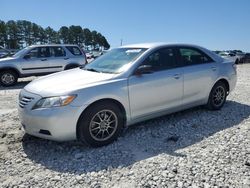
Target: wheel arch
<point>12,69</point>
<point>107,100</point>
<point>226,82</point>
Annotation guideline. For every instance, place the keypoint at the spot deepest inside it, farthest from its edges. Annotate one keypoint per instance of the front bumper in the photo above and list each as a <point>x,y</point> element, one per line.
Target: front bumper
<point>58,123</point>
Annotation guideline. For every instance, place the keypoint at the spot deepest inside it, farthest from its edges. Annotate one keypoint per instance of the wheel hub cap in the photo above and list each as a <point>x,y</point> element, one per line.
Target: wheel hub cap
<point>7,78</point>
<point>103,125</point>
<point>219,96</point>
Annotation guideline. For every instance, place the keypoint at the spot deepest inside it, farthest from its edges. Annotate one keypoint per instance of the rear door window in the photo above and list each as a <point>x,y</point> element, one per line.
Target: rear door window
<point>57,52</point>
<point>192,56</point>
<point>43,52</point>
<point>74,50</point>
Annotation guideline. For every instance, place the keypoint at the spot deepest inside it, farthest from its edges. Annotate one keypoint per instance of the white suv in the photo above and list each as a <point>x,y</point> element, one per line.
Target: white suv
<point>40,60</point>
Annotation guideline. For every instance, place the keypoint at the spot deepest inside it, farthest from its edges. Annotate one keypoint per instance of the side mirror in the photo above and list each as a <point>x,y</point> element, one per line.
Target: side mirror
<point>27,56</point>
<point>144,69</point>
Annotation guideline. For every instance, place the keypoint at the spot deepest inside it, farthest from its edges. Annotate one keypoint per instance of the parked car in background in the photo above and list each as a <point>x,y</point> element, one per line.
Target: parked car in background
<point>97,54</point>
<point>103,52</point>
<point>89,54</point>
<point>40,60</point>
<point>245,58</point>
<point>231,56</point>
<point>124,86</point>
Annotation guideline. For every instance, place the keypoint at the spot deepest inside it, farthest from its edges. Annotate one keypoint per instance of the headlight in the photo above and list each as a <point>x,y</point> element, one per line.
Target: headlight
<point>54,101</point>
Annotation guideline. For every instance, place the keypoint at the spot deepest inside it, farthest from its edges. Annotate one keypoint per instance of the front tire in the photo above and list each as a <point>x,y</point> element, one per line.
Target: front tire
<point>8,78</point>
<point>217,96</point>
<point>100,124</point>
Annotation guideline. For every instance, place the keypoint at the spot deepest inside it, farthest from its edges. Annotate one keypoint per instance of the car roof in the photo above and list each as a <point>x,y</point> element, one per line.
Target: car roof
<point>41,45</point>
<point>158,44</point>
<point>214,56</point>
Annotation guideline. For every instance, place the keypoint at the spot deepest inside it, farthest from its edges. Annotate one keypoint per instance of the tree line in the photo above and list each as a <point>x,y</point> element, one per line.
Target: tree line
<point>22,33</point>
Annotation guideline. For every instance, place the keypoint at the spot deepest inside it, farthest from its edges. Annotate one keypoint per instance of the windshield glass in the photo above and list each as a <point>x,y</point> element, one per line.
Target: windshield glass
<point>20,52</point>
<point>115,61</point>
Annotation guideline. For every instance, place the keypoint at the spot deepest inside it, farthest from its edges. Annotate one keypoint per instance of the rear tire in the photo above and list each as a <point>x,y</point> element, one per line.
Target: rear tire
<point>100,124</point>
<point>237,61</point>
<point>217,96</point>
<point>8,78</point>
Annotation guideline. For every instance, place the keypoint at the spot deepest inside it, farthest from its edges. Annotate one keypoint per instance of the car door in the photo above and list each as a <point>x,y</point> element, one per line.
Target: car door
<point>158,90</point>
<point>199,73</point>
<point>36,61</point>
<point>58,58</point>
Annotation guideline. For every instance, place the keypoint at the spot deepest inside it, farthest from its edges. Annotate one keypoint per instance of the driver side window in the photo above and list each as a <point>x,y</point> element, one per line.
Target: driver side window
<point>39,52</point>
<point>33,53</point>
<point>161,59</point>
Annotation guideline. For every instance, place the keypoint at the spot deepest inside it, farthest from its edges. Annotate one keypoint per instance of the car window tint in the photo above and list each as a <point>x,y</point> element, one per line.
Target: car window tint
<point>162,59</point>
<point>57,52</point>
<point>74,50</point>
<point>33,53</point>
<point>190,56</point>
<point>43,52</point>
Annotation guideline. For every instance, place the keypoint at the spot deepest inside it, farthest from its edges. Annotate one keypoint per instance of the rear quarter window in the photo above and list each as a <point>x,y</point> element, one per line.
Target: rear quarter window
<point>74,50</point>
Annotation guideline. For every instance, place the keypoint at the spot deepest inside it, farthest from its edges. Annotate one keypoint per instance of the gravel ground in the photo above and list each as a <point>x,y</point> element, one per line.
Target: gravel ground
<point>193,148</point>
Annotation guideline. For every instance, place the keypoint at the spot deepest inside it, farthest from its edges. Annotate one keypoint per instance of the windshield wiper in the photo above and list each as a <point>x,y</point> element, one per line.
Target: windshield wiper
<point>91,69</point>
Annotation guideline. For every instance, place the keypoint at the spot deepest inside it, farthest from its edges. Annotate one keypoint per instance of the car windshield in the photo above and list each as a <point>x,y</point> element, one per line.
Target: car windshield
<point>115,61</point>
<point>21,52</point>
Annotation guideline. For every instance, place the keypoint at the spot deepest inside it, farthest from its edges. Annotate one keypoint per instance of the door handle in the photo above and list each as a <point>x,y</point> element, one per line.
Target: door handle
<point>177,76</point>
<point>66,58</point>
<point>214,68</point>
<point>43,59</point>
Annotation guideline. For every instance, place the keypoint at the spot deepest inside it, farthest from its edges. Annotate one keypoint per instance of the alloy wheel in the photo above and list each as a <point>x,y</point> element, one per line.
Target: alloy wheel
<point>219,96</point>
<point>7,78</point>
<point>103,125</point>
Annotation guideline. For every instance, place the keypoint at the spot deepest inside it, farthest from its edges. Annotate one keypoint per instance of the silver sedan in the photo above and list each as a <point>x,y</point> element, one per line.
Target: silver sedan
<point>124,86</point>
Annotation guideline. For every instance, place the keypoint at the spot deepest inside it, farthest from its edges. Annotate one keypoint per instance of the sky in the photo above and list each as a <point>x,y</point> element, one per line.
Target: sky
<point>214,24</point>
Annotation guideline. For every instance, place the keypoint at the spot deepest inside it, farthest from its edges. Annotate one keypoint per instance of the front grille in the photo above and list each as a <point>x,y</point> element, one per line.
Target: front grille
<point>24,100</point>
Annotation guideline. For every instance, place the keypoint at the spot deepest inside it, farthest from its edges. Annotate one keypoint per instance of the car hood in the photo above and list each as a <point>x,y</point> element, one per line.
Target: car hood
<point>66,82</point>
<point>6,59</point>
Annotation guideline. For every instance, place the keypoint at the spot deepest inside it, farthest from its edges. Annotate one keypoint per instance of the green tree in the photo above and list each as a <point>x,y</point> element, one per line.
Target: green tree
<point>64,35</point>
<point>94,41</point>
<point>35,33</point>
<point>13,39</point>
<point>87,37</point>
<point>51,36</point>
<point>77,35</point>
<point>42,38</point>
<point>24,33</point>
<point>3,33</point>
<point>104,43</point>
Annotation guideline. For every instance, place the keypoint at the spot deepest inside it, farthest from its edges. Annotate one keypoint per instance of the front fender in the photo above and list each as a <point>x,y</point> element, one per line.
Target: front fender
<point>116,90</point>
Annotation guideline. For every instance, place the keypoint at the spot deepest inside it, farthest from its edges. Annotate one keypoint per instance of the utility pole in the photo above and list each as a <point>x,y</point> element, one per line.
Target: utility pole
<point>121,42</point>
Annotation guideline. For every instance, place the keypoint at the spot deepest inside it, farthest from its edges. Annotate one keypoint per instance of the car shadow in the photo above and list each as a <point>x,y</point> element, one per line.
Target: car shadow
<point>163,135</point>
<point>18,85</point>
